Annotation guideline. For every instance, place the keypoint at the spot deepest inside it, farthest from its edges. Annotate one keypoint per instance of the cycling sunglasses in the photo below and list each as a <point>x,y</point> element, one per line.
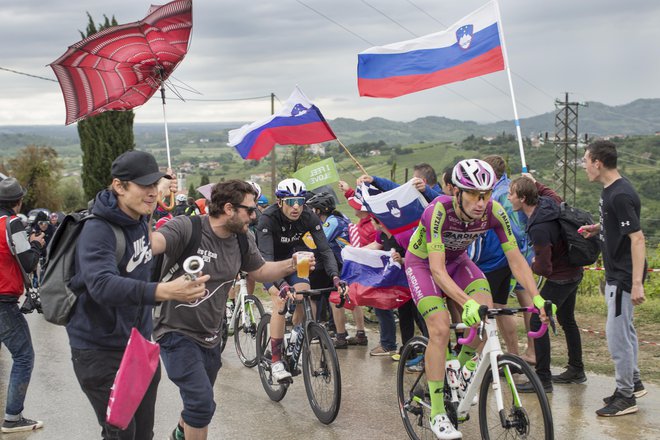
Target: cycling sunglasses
<point>250,209</point>
<point>474,196</point>
<point>291,201</point>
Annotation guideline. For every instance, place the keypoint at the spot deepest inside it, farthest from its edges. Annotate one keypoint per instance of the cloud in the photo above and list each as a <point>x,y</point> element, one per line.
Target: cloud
<point>601,50</point>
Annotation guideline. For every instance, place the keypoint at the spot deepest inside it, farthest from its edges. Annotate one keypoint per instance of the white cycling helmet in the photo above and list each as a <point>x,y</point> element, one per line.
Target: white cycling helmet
<point>473,175</point>
<point>290,188</point>
<point>181,198</point>
<point>256,187</point>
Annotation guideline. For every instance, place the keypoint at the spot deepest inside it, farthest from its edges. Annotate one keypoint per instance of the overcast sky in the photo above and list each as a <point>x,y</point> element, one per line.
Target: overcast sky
<point>599,50</point>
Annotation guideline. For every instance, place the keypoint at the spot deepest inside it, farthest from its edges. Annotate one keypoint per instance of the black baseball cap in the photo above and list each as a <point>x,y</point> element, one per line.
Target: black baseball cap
<point>138,167</point>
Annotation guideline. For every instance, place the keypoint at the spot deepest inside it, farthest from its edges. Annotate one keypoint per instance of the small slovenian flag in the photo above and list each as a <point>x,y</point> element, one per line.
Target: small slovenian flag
<point>299,122</point>
<point>469,48</point>
<point>398,209</point>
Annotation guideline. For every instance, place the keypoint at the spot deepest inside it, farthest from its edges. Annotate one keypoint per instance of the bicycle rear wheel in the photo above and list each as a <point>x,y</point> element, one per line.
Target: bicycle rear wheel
<point>275,391</point>
<point>526,416</point>
<point>245,330</point>
<point>413,390</point>
<point>321,374</point>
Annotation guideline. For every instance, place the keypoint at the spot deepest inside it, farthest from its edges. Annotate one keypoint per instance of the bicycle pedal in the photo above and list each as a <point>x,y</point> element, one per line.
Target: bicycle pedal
<point>287,381</point>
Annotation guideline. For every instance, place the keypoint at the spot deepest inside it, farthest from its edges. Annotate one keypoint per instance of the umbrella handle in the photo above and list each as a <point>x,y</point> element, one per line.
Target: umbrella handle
<point>164,206</point>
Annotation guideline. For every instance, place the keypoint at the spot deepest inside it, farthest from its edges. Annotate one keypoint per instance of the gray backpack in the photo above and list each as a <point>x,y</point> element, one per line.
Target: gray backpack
<point>57,299</point>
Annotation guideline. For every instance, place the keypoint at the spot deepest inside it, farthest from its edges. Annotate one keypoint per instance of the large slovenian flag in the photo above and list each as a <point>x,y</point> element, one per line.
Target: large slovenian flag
<point>469,48</point>
<point>299,122</point>
<point>398,209</point>
<point>374,279</point>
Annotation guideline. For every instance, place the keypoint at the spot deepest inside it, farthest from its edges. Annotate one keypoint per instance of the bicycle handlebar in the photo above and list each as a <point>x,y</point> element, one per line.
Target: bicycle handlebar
<point>485,311</point>
<point>307,293</point>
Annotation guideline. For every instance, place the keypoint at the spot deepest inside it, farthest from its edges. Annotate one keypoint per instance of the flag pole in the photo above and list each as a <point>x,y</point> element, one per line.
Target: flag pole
<point>513,96</point>
<point>351,156</point>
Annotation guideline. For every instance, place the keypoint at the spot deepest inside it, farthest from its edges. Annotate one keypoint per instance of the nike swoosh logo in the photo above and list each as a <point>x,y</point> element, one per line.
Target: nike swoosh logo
<point>133,263</point>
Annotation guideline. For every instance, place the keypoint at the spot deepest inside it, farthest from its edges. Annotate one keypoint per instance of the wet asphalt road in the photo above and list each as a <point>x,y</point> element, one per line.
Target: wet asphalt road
<point>368,407</point>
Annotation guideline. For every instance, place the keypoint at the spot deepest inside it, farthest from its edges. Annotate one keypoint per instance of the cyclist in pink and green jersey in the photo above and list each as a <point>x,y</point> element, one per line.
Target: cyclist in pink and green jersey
<point>437,267</point>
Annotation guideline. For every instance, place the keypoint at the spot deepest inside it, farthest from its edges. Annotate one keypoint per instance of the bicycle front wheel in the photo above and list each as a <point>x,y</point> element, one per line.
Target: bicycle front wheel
<point>321,374</point>
<point>275,391</point>
<point>246,320</point>
<point>525,415</point>
<point>413,390</point>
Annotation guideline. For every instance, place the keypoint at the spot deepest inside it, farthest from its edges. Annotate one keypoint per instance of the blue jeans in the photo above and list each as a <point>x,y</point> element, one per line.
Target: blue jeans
<point>15,335</point>
<point>387,329</point>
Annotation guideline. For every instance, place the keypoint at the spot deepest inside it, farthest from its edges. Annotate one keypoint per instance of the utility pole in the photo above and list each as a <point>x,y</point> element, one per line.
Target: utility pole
<point>566,145</point>
<point>273,162</point>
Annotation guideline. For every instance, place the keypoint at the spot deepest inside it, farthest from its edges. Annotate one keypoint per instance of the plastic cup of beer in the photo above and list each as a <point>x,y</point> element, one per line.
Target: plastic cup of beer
<point>302,259</point>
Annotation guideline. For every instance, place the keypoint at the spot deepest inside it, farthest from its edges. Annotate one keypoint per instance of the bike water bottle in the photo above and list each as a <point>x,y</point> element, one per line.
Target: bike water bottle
<point>467,374</point>
<point>453,373</point>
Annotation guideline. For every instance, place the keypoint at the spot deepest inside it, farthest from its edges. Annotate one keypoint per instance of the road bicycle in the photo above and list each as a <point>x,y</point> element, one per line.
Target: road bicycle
<point>320,365</point>
<point>503,411</point>
<point>242,322</point>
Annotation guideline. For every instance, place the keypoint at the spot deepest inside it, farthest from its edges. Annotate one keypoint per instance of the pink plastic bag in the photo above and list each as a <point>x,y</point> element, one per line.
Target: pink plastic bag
<point>133,378</point>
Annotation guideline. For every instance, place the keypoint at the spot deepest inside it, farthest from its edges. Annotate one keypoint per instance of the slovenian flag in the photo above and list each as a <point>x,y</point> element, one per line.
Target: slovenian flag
<point>374,279</point>
<point>398,209</point>
<point>469,48</point>
<point>299,122</point>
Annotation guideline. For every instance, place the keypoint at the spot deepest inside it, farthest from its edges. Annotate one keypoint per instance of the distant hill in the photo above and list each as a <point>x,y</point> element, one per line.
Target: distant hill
<point>640,117</point>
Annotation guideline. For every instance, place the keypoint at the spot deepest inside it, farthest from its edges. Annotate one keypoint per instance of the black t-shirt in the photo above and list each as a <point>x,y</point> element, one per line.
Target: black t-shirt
<point>278,238</point>
<point>619,216</point>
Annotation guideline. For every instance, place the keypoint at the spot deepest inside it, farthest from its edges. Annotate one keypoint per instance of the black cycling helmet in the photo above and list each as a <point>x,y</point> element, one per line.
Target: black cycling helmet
<point>324,202</point>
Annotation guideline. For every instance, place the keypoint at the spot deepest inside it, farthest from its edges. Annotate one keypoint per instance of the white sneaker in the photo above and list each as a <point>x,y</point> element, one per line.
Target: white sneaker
<point>443,428</point>
<point>278,370</point>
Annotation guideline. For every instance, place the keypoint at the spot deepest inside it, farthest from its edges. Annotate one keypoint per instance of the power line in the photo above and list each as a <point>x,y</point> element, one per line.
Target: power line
<point>171,88</point>
<point>228,99</point>
<point>656,167</point>
<point>27,74</point>
<point>427,14</point>
<point>638,157</point>
<point>337,23</point>
<point>388,17</point>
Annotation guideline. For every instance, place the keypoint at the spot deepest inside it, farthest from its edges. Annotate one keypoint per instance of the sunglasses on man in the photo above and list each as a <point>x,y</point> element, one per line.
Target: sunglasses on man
<point>473,196</point>
<point>292,201</point>
<point>250,209</point>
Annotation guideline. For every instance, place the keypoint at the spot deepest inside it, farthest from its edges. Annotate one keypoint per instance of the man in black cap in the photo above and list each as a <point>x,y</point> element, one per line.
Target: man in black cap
<point>19,254</point>
<point>112,298</point>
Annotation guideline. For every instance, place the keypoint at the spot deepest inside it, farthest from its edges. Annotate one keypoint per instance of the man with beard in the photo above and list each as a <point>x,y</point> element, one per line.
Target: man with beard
<point>189,333</point>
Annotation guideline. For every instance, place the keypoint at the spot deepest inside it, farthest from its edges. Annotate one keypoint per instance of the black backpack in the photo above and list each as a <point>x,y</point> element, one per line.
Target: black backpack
<point>57,299</point>
<point>581,251</point>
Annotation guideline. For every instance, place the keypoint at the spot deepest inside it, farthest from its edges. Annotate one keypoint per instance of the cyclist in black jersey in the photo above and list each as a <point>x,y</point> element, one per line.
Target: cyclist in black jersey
<point>279,235</point>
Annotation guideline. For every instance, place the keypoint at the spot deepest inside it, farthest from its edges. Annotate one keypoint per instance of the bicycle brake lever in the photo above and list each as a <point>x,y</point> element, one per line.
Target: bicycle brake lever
<point>482,328</point>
